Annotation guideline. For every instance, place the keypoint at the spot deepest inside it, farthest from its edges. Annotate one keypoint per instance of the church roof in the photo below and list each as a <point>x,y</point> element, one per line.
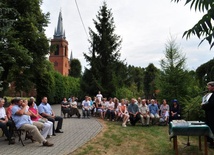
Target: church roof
<point>59,33</point>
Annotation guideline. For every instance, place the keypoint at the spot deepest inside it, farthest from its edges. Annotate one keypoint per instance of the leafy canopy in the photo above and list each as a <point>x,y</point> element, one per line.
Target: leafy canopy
<point>203,29</point>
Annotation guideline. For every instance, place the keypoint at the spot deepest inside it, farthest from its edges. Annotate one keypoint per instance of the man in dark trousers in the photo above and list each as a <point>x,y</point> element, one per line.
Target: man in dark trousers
<point>133,112</point>
<point>46,111</point>
<point>208,107</point>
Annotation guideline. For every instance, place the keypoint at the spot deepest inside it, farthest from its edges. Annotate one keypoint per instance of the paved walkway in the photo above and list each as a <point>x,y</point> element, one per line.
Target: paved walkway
<point>76,133</point>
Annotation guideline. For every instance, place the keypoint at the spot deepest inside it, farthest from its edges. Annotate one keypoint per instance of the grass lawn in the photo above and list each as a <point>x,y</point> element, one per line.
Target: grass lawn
<point>153,140</point>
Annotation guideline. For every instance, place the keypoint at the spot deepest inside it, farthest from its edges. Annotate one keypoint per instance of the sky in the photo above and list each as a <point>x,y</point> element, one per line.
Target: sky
<point>144,26</point>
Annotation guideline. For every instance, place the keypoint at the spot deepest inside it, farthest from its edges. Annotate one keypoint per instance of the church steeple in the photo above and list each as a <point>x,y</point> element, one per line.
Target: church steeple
<point>59,33</point>
<point>59,55</point>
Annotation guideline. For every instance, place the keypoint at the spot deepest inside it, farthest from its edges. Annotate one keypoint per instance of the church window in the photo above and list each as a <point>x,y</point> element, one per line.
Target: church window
<point>66,51</point>
<point>55,63</point>
<point>57,50</point>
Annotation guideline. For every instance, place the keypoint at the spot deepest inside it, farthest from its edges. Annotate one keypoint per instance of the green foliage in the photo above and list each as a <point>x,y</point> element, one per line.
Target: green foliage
<point>135,75</point>
<point>75,68</point>
<point>193,86</point>
<point>205,72</point>
<point>56,86</point>
<point>191,108</point>
<point>73,86</point>
<point>65,86</point>
<point>204,27</point>
<point>150,76</point>
<point>59,87</point>
<point>23,50</point>
<point>24,44</point>
<point>46,86</point>
<point>7,17</point>
<point>87,83</point>
<point>124,93</point>
<point>173,79</point>
<point>106,70</point>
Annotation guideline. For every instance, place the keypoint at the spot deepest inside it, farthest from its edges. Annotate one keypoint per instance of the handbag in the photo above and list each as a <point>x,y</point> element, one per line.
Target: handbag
<point>43,120</point>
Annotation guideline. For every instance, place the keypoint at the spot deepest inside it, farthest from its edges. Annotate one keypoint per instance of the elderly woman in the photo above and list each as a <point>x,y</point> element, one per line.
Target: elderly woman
<point>35,116</point>
<point>174,111</point>
<point>65,107</point>
<point>73,108</point>
<point>164,113</point>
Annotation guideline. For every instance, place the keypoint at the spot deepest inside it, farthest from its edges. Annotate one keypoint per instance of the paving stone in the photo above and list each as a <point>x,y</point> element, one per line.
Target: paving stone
<point>76,133</point>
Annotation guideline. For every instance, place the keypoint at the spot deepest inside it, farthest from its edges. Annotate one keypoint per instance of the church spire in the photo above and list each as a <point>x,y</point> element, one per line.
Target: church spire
<point>71,56</point>
<point>59,33</point>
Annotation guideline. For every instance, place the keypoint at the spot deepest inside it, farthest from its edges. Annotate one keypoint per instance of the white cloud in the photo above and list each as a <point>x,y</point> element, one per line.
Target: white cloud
<point>144,26</point>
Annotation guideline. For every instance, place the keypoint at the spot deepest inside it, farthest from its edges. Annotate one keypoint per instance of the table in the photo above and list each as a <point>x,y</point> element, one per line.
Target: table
<point>189,128</point>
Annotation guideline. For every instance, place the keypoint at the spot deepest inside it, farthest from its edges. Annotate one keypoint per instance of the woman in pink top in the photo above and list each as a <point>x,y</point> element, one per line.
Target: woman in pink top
<point>35,116</point>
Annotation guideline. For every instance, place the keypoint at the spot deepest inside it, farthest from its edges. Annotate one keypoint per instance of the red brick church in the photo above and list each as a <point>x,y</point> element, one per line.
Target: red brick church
<point>59,57</point>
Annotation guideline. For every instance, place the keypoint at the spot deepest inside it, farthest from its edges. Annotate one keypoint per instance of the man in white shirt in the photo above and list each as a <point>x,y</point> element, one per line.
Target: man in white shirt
<point>144,113</point>
<point>86,107</point>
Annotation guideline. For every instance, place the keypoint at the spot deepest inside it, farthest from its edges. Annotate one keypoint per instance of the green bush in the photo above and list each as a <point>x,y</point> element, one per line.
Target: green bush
<point>124,93</point>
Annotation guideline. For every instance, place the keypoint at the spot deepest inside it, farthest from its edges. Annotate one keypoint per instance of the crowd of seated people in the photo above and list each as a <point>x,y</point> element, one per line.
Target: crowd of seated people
<point>137,110</point>
<point>20,114</point>
<point>41,119</point>
<point>38,122</point>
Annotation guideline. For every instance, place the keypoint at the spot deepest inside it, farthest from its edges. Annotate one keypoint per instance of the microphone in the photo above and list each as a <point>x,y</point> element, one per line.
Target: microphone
<point>203,92</point>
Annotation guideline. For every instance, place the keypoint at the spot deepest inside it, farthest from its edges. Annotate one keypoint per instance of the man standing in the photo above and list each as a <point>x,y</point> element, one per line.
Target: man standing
<point>22,120</point>
<point>99,96</point>
<point>46,111</point>
<point>208,107</point>
<point>133,112</point>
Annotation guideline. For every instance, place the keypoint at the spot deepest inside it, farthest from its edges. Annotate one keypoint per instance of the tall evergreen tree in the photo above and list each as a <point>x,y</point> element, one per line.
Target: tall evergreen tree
<point>135,76</point>
<point>173,80</point>
<point>104,55</point>
<point>149,81</point>
<point>75,68</point>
